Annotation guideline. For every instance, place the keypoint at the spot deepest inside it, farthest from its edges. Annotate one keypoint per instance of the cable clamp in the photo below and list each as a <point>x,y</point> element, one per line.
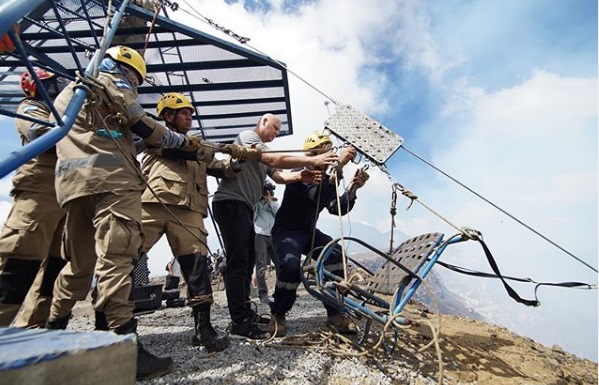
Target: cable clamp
<point>471,234</point>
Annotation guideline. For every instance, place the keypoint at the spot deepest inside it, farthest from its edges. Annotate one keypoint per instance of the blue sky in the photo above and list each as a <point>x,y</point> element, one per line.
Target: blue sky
<point>501,95</point>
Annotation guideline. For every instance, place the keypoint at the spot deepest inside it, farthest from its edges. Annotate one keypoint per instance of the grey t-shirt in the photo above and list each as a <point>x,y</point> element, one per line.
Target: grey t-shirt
<point>245,186</point>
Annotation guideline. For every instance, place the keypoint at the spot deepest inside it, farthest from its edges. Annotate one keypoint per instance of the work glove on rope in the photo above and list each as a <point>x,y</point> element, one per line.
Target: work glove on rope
<point>205,150</point>
<point>206,154</point>
<point>242,153</point>
<point>191,143</point>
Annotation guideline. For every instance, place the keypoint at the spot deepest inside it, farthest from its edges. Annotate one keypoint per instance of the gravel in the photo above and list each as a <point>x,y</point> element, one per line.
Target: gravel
<point>168,331</point>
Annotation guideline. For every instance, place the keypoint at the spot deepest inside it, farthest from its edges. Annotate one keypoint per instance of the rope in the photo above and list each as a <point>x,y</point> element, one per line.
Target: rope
<point>414,198</point>
<point>317,212</point>
<point>393,212</point>
<point>137,171</point>
<point>315,151</point>
<point>340,217</point>
<point>335,344</point>
<point>156,11</point>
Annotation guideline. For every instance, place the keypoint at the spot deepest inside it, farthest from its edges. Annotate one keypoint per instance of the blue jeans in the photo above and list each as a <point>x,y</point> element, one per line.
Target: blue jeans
<point>290,245</point>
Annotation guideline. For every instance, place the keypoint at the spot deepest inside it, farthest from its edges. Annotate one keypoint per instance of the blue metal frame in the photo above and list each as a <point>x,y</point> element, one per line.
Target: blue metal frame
<point>12,12</point>
<point>31,51</point>
<point>323,286</point>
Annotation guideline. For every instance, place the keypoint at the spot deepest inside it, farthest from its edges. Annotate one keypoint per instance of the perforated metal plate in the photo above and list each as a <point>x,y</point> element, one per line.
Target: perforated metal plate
<point>370,137</point>
<point>411,254</point>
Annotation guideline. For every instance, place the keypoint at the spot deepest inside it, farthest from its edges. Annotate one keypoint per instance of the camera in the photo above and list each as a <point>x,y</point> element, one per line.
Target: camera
<point>268,188</point>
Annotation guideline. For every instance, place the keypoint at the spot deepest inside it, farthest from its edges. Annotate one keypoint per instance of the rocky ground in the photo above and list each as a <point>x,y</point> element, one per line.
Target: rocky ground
<point>469,352</point>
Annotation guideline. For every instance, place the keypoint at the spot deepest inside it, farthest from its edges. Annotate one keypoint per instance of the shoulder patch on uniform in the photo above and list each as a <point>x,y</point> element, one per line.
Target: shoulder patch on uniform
<point>122,84</point>
<point>29,109</point>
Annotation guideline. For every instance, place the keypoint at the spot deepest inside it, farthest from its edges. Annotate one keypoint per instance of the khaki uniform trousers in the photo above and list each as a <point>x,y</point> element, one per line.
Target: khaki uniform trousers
<point>102,231</point>
<point>157,221</point>
<point>32,232</point>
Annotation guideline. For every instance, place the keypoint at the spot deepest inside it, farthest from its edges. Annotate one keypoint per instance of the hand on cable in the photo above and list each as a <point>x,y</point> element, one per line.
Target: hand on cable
<point>348,154</point>
<point>358,181</point>
<point>360,178</point>
<point>324,160</point>
<point>254,153</point>
<point>235,165</point>
<point>230,167</point>
<point>311,176</point>
<point>205,153</point>
<point>147,4</point>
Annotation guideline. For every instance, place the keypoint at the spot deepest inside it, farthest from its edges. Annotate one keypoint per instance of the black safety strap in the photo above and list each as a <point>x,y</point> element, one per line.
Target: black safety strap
<point>508,288</point>
<point>503,278</point>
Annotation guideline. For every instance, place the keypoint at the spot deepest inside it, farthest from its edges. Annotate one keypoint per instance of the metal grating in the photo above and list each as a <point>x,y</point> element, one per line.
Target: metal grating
<point>411,254</point>
<point>230,86</point>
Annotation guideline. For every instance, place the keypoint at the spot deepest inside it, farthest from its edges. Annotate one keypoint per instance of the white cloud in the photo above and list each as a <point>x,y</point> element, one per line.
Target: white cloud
<point>410,37</point>
<point>328,43</point>
<point>532,149</point>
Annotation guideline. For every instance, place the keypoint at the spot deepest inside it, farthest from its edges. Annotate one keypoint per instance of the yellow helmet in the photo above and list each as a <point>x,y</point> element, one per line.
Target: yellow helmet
<point>174,101</point>
<point>316,139</point>
<point>130,57</point>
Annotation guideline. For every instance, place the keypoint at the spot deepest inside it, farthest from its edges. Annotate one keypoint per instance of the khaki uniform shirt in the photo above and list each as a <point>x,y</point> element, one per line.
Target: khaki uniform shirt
<point>89,161</point>
<point>37,174</point>
<point>180,182</point>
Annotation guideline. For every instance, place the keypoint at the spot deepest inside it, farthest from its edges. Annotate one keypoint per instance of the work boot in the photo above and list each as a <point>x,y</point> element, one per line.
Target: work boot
<point>342,324</point>
<point>101,323</point>
<point>148,365</point>
<point>171,294</point>
<point>58,323</point>
<point>175,302</point>
<point>205,334</point>
<point>171,282</point>
<point>281,325</point>
<point>249,330</point>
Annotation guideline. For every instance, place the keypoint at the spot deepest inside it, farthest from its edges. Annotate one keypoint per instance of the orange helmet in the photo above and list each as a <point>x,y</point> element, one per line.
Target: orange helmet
<point>28,84</point>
